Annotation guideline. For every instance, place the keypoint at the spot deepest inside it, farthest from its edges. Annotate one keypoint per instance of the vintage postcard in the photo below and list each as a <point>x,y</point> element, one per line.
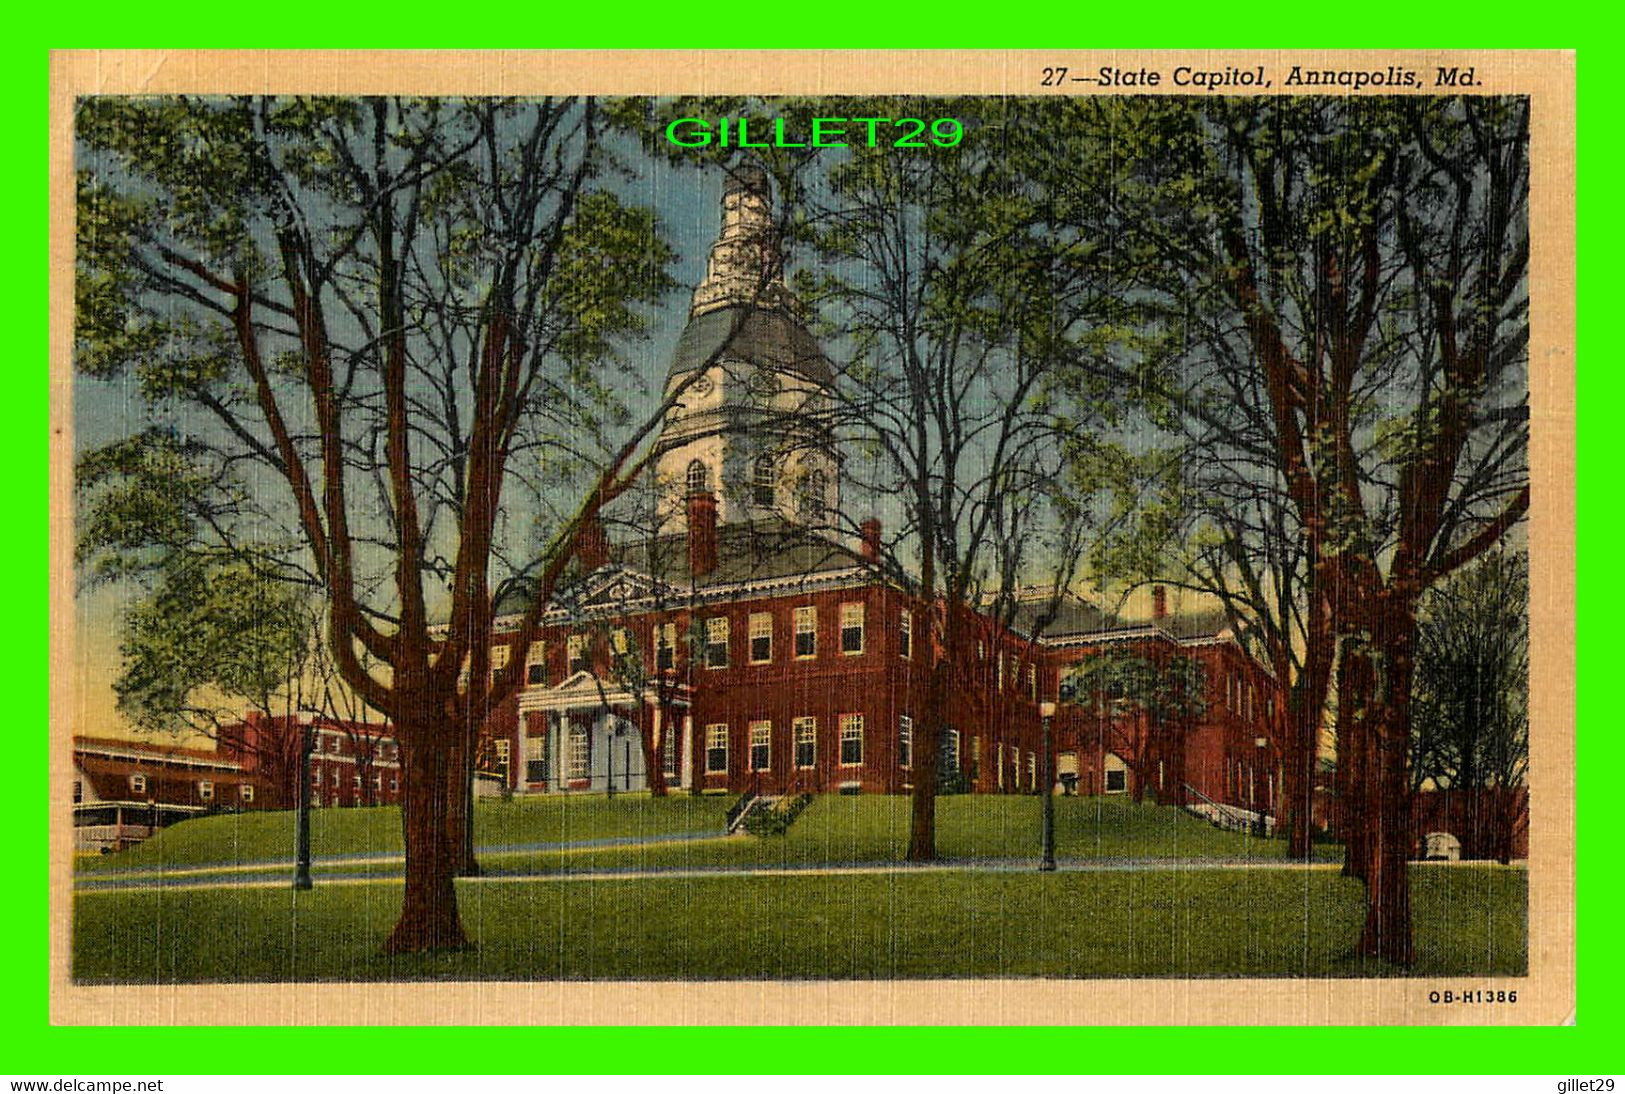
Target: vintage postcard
<point>911,538</point>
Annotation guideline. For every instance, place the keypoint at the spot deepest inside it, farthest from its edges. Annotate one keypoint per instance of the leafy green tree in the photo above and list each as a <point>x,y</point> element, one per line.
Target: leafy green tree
<point>1338,289</point>
<point>1470,727</point>
<point>1146,704</point>
<point>957,322</point>
<point>373,326</point>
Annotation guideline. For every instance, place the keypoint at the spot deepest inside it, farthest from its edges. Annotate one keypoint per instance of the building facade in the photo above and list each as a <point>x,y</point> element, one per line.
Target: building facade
<point>746,643</point>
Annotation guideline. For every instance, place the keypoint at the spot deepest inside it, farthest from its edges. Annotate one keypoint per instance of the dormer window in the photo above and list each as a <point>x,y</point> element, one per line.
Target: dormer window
<point>699,478</point>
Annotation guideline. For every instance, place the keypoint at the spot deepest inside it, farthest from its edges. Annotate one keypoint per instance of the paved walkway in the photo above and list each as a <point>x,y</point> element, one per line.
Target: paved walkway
<point>496,850</point>
<point>263,877</point>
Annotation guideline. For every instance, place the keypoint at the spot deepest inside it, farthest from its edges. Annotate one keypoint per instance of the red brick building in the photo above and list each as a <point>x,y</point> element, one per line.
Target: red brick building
<point>124,791</point>
<point>351,763</point>
<point>748,623</point>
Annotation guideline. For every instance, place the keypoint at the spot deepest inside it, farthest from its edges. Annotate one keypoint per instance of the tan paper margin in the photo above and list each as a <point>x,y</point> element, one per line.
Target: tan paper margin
<point>1546,994</point>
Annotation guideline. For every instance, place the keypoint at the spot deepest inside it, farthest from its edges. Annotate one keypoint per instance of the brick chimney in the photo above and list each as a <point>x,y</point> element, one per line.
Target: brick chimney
<point>592,546</point>
<point>1159,602</point>
<point>871,539</point>
<point>702,532</point>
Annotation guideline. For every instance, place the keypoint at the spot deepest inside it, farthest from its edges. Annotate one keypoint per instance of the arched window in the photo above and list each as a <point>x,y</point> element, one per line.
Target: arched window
<point>813,490</point>
<point>698,477</point>
<point>762,477</point>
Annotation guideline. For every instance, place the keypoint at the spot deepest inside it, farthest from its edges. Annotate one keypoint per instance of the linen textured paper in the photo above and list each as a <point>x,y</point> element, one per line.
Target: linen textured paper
<point>731,537</point>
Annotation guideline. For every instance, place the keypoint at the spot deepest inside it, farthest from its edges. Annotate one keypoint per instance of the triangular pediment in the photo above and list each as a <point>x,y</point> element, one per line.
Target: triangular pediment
<point>614,586</point>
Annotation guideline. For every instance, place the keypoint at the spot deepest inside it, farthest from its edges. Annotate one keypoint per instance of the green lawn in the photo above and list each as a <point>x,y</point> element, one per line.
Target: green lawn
<point>1187,922</point>
<point>269,837</point>
<point>834,829</point>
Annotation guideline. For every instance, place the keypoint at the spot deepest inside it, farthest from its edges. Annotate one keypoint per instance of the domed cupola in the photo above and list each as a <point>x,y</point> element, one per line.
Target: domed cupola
<point>743,429</point>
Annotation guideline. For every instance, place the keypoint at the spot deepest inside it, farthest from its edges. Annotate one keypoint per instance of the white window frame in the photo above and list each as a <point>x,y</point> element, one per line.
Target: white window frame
<point>578,753</point>
<point>905,634</point>
<point>852,615</point>
<point>949,760</point>
<point>764,481</point>
<point>205,790</point>
<point>499,656</point>
<point>576,649</point>
<point>805,732</point>
<point>806,622</point>
<point>668,751</point>
<point>138,783</point>
<point>905,742</point>
<point>760,626</point>
<point>715,626</point>
<point>716,740</point>
<point>665,639</point>
<point>761,736</point>
<point>851,726</point>
<point>246,792</point>
<point>536,658</point>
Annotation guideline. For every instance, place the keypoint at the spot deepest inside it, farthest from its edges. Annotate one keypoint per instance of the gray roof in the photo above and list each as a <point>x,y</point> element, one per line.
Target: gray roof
<point>766,336</point>
<point>1073,615</point>
<point>758,551</point>
<point>1201,624</point>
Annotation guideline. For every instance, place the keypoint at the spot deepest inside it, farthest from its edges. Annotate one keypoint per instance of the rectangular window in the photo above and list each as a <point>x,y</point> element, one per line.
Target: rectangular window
<point>1032,771</point>
<point>905,635</point>
<point>576,646</point>
<point>905,741</point>
<point>806,632</point>
<point>716,643</point>
<point>78,791</point>
<point>851,628</point>
<point>1001,766</point>
<point>975,756</point>
<point>1001,670</point>
<point>1116,782</point>
<point>138,784</point>
<point>1032,682</point>
<point>394,783</point>
<point>536,759</point>
<point>504,757</point>
<point>205,790</point>
<point>666,646</point>
<point>716,749</point>
<point>806,730</point>
<point>950,752</point>
<point>536,664</point>
<point>499,657</point>
<point>377,782</point>
<point>620,643</point>
<point>761,638</point>
<point>356,781</point>
<point>668,749</point>
<point>578,757</point>
<point>851,740</point>
<point>761,746</point>
<point>247,791</point>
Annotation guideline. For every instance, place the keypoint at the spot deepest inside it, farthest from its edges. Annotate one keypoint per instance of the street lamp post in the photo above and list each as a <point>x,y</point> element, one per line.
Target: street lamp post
<point>301,869</point>
<point>1047,713</point>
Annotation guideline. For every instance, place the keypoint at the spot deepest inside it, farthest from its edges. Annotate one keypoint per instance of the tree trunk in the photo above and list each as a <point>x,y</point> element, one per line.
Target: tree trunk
<point>1300,723</point>
<point>1387,931</point>
<point>922,829</point>
<point>460,803</point>
<point>1354,681</point>
<point>429,919</point>
<point>654,759</point>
